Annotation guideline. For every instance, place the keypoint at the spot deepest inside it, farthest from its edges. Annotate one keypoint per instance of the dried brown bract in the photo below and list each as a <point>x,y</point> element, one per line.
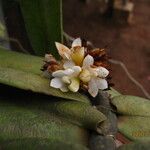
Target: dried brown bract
<point>50,64</point>
<point>100,57</point>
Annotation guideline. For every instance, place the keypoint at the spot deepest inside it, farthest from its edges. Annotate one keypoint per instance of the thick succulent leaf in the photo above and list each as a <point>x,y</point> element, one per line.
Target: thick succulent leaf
<point>35,83</point>
<point>131,105</point>
<point>79,113</point>
<point>29,66</point>
<point>15,60</point>
<point>135,127</point>
<point>113,92</point>
<point>39,144</point>
<point>27,121</point>
<point>43,22</point>
<point>143,145</point>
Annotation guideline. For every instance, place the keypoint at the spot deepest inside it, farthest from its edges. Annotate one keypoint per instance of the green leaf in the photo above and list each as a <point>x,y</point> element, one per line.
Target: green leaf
<point>43,22</point>
<point>23,71</point>
<point>79,113</point>
<point>19,61</point>
<point>113,92</point>
<point>39,144</point>
<point>131,105</point>
<point>134,127</point>
<point>2,31</point>
<point>35,83</point>
<point>142,145</point>
<point>21,121</point>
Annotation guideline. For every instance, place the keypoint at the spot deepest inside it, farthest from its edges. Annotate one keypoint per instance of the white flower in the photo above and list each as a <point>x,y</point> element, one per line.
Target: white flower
<point>75,53</point>
<point>78,68</point>
<point>76,42</point>
<point>95,77</point>
<point>58,84</point>
<point>67,79</point>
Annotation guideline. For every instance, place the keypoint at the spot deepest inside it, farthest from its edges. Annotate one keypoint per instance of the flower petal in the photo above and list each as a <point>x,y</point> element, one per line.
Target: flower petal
<point>68,64</point>
<point>77,55</point>
<point>88,61</point>
<point>101,83</point>
<point>56,83</point>
<point>63,50</point>
<point>77,42</point>
<point>93,89</point>
<point>59,73</point>
<point>66,79</point>
<point>69,72</point>
<point>102,72</point>
<point>85,76</point>
<point>74,86</point>
<point>64,89</point>
<point>77,70</point>
<point>93,72</point>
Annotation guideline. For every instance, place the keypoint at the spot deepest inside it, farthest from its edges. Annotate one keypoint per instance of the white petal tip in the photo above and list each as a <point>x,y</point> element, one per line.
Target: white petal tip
<point>77,42</point>
<point>56,83</point>
<point>63,50</point>
<point>93,89</point>
<point>88,61</point>
<point>68,64</point>
<point>58,73</point>
<point>93,94</point>
<point>102,72</point>
<point>57,44</point>
<point>102,84</point>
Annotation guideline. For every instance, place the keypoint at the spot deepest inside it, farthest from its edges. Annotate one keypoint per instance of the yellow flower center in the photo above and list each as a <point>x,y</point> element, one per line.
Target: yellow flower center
<point>85,76</point>
<point>74,85</point>
<point>78,55</point>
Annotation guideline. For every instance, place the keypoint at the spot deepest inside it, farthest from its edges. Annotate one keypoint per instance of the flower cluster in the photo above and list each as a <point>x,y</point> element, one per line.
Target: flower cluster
<point>78,68</point>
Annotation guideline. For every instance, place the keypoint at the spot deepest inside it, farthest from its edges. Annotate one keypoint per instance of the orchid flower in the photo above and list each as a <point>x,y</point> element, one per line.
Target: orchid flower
<point>94,77</point>
<point>67,79</point>
<point>78,69</point>
<point>75,53</point>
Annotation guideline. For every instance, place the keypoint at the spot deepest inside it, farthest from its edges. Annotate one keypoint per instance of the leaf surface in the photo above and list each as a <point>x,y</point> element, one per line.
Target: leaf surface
<point>113,92</point>
<point>35,83</point>
<point>40,144</point>
<point>142,145</point>
<point>43,22</point>
<point>135,127</point>
<point>23,71</point>
<point>19,122</point>
<point>131,105</point>
<point>20,61</point>
<point>79,113</point>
